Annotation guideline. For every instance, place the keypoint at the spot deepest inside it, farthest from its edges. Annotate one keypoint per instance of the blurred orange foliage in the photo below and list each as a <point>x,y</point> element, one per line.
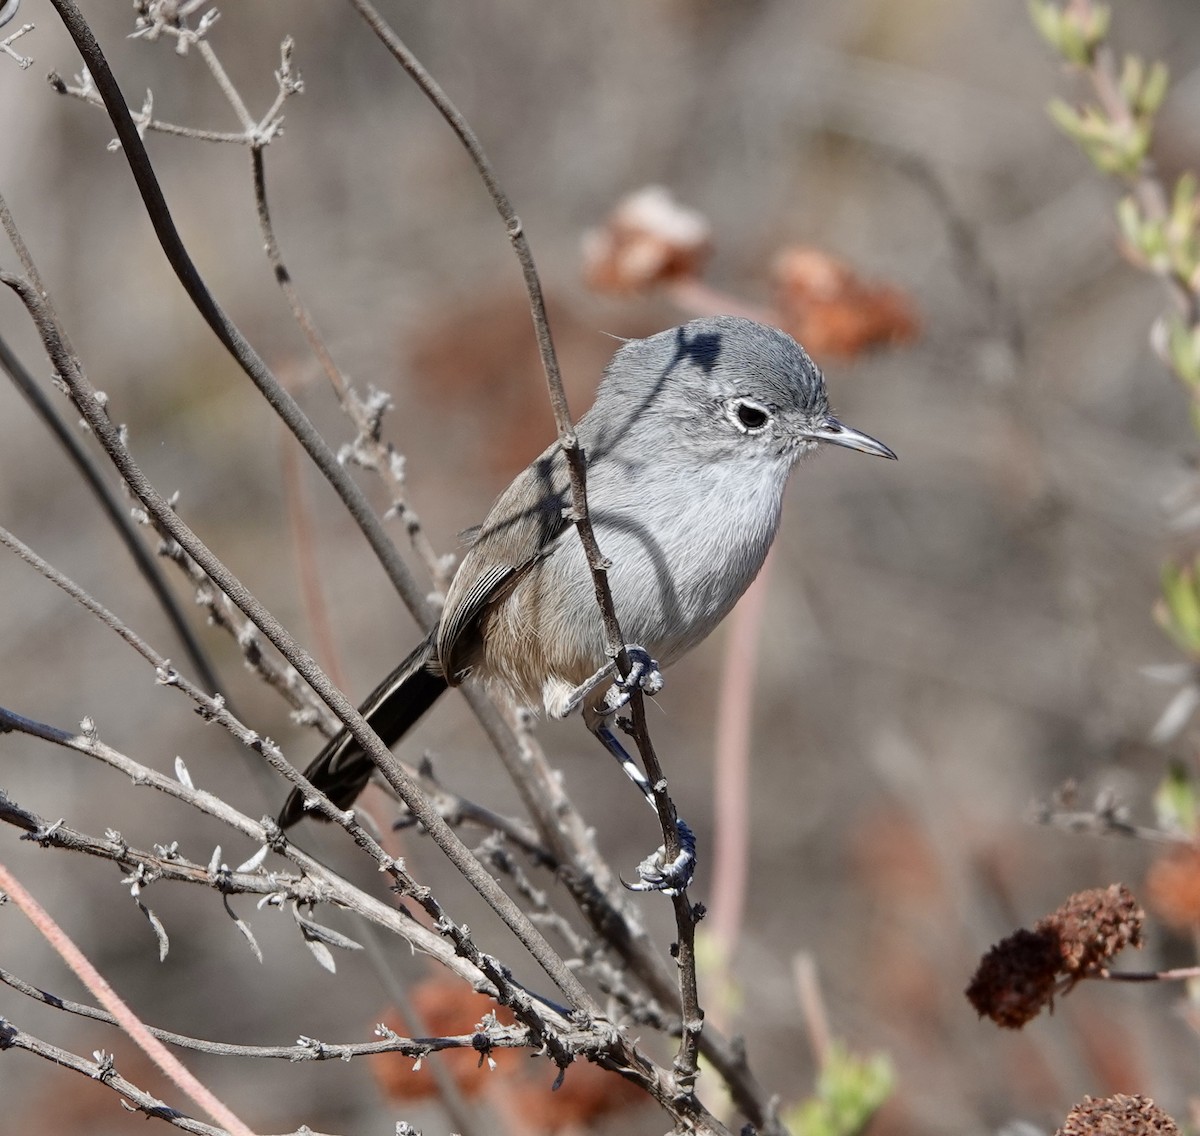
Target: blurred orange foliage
<point>515,1087</point>
<point>823,303</point>
<point>1173,888</point>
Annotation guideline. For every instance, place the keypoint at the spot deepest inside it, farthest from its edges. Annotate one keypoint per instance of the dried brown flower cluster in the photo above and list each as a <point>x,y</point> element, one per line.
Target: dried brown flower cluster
<point>1095,925</point>
<point>1118,1115</point>
<point>825,305</point>
<point>1023,972</point>
<point>652,241</point>
<point>649,239</point>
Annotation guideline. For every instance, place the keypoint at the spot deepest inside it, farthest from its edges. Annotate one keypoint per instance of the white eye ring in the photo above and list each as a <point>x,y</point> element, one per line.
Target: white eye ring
<point>748,416</point>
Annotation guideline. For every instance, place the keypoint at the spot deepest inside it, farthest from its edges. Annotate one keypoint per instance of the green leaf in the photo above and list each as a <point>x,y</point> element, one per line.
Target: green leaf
<point>1100,23</point>
<point>1183,199</point>
<point>1179,613</point>
<point>1066,118</point>
<point>1154,89</point>
<point>1129,221</point>
<point>1074,34</point>
<point>1130,82</point>
<point>850,1091</point>
<point>1175,801</point>
<point>1146,238</point>
<point>1047,19</point>
<point>1183,350</point>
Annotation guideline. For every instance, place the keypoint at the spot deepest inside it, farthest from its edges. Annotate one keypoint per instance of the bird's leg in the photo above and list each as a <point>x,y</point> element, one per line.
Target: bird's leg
<point>654,873</point>
<point>643,674</point>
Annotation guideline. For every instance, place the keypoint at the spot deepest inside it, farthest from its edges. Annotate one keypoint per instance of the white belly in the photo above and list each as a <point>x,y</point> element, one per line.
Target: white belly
<point>683,549</point>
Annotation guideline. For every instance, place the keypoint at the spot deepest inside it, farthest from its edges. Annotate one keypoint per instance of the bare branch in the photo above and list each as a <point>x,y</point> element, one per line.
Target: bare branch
<point>104,1071</point>
<point>265,832</point>
<point>83,90</point>
<point>1108,817</point>
<point>490,1035</point>
<point>749,1095</point>
<point>565,836</point>
<point>368,450</point>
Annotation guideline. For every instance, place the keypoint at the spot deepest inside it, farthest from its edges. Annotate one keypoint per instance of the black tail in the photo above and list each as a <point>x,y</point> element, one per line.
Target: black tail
<point>341,770</point>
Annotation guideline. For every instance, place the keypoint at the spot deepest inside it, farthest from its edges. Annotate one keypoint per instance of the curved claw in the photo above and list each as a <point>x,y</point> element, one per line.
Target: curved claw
<point>643,674</point>
<point>654,874</point>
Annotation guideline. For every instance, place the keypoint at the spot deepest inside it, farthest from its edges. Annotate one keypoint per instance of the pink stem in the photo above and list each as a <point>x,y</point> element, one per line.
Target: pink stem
<point>108,998</point>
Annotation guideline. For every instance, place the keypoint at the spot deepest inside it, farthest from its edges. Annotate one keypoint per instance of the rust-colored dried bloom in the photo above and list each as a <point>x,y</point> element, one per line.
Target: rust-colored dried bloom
<point>1173,888</point>
<point>1093,926</point>
<point>1118,1115</point>
<point>1016,978</point>
<point>1020,974</point>
<point>823,303</point>
<point>647,240</point>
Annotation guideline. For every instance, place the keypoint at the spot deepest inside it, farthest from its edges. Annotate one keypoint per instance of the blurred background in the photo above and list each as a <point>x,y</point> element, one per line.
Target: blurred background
<point>950,638</point>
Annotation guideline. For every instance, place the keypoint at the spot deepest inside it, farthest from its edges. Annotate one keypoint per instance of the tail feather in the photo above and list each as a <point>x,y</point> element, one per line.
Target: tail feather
<point>341,770</point>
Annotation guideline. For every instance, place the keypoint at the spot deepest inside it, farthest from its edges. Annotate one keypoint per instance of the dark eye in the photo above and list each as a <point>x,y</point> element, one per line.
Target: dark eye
<point>750,415</point>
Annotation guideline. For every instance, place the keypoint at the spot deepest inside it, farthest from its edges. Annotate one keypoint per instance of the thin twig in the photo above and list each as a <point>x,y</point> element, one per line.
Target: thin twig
<point>491,1034</point>
<point>686,1062</point>
<point>80,90</point>
<point>1105,821</point>
<point>104,1071</point>
<point>368,450</point>
<point>731,781</point>
<point>812,1007</point>
<point>6,46</point>
<point>1176,974</point>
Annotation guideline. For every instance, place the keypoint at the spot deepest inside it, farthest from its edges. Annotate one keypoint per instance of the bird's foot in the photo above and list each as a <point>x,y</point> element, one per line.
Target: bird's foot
<point>643,675</point>
<point>655,874</point>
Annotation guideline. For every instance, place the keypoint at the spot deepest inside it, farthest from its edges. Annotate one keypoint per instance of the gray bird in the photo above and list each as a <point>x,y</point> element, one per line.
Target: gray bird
<point>688,446</point>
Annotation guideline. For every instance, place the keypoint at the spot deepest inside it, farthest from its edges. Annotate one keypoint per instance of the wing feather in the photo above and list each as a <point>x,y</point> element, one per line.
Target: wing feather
<point>519,531</point>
